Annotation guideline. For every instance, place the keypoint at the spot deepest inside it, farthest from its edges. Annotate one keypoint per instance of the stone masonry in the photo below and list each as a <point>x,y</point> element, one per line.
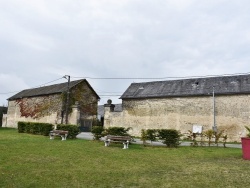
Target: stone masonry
<point>232,113</point>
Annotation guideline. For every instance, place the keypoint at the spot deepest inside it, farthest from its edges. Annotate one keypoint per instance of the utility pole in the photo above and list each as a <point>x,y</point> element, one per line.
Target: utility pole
<point>67,100</point>
<point>214,127</point>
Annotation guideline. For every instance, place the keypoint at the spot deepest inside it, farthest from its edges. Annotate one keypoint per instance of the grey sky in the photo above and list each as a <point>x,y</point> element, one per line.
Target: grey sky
<point>43,40</point>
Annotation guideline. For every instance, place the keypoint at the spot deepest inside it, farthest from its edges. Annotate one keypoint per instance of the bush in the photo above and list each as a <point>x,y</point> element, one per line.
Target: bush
<point>170,137</point>
<point>151,134</point>
<point>209,134</point>
<point>96,122</point>
<point>97,132</point>
<point>34,128</point>
<point>27,127</point>
<point>46,128</point>
<point>143,137</point>
<point>74,130</point>
<point>117,131</point>
<point>21,126</point>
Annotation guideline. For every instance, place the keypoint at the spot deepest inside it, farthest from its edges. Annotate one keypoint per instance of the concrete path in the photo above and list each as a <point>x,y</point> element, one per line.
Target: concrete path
<point>89,136</point>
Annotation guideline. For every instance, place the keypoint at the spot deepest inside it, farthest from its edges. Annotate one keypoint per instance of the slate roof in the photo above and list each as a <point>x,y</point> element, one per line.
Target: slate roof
<point>48,90</point>
<point>223,85</point>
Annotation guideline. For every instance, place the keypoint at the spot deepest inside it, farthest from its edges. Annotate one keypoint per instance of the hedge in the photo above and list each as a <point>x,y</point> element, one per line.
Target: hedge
<point>99,131</point>
<point>74,130</point>
<point>170,137</point>
<point>34,128</point>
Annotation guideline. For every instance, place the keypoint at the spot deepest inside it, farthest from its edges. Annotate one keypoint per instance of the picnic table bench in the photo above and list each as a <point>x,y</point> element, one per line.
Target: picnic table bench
<point>118,139</point>
<point>61,133</point>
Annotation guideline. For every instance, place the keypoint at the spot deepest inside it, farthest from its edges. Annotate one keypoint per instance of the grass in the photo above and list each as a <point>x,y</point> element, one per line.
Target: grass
<point>36,161</point>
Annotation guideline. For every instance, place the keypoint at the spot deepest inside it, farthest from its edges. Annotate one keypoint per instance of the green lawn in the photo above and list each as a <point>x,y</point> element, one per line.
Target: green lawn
<point>36,161</point>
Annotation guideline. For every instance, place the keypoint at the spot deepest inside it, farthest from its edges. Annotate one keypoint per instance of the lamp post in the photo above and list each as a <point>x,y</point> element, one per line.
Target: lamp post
<point>214,127</point>
<point>67,100</point>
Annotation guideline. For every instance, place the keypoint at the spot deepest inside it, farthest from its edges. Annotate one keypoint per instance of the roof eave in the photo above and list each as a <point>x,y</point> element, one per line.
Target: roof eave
<point>193,95</point>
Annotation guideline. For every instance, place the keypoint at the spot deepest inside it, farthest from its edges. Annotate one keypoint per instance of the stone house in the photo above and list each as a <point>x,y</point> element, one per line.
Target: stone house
<point>181,104</point>
<point>47,104</point>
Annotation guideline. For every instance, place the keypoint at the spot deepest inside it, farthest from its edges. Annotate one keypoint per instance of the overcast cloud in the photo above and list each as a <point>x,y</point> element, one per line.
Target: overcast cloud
<point>43,40</point>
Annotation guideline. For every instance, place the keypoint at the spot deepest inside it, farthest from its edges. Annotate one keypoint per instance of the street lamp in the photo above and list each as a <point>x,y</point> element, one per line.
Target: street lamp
<point>215,126</point>
<point>67,100</point>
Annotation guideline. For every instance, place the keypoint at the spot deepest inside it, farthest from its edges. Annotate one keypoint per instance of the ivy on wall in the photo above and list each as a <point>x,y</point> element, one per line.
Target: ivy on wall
<point>36,107</point>
<point>39,106</point>
<point>86,99</point>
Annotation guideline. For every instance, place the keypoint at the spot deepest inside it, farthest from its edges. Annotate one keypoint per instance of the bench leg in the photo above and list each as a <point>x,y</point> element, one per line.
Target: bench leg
<point>63,137</point>
<point>106,143</point>
<point>51,136</point>
<point>125,145</point>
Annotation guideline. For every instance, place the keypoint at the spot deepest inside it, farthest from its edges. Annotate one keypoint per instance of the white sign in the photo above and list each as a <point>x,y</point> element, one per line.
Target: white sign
<point>197,129</point>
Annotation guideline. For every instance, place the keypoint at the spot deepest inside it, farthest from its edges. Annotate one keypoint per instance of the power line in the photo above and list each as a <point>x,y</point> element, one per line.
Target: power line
<point>47,83</point>
<point>133,78</point>
<point>157,78</point>
<point>32,87</point>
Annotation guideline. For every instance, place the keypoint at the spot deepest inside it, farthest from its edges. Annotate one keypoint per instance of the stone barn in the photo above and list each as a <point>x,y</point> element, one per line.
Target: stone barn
<point>48,104</point>
<point>181,104</point>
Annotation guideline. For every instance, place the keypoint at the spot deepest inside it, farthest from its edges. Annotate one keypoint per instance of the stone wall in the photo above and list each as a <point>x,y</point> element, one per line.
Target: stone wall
<point>48,108</point>
<point>232,113</point>
<point>54,117</point>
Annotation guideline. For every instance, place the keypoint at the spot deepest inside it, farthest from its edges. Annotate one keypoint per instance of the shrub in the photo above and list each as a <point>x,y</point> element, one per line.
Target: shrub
<point>170,137</point>
<point>27,127</point>
<point>224,137</point>
<point>34,128</point>
<point>74,130</point>
<point>97,132</point>
<point>151,134</point>
<point>96,122</point>
<point>143,137</point>
<point>217,136</point>
<point>117,131</point>
<point>248,129</point>
<point>209,134</point>
<point>193,137</point>
<point>21,126</point>
<point>45,128</point>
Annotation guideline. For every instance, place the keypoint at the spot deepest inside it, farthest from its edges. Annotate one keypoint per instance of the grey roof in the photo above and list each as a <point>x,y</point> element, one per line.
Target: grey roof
<point>100,111</point>
<point>48,90</point>
<point>223,85</point>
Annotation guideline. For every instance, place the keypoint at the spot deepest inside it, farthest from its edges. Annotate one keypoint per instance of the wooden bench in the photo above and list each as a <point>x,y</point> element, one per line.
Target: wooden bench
<point>61,133</point>
<point>119,139</point>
